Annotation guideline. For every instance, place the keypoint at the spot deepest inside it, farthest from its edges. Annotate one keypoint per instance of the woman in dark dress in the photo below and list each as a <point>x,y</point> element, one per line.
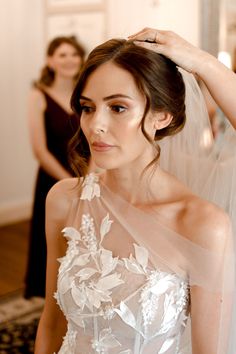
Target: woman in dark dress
<point>52,124</point>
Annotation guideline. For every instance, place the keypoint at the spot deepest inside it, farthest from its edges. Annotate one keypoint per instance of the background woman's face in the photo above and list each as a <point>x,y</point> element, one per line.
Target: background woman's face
<point>112,110</point>
<point>65,61</point>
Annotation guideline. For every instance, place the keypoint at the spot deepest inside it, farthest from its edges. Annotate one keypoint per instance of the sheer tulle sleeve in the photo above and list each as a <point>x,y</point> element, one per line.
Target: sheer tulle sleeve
<point>202,258</point>
<point>205,263</point>
<point>211,174</point>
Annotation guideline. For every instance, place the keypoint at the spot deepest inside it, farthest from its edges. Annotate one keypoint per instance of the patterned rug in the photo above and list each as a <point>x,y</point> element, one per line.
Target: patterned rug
<point>18,323</point>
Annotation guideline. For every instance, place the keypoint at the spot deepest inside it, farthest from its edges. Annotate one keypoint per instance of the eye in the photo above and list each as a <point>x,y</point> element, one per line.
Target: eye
<point>86,109</point>
<point>118,108</point>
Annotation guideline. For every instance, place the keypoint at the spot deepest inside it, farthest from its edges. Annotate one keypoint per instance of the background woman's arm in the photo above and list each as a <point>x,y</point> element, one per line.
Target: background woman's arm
<point>46,159</point>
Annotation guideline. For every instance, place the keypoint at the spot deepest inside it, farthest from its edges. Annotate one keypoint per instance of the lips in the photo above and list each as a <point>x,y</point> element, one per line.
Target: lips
<point>101,146</point>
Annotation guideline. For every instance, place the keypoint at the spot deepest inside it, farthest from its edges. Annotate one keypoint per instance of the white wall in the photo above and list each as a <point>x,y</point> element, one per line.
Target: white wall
<point>22,46</point>
<point>128,16</point>
<point>230,40</point>
<point>21,38</point>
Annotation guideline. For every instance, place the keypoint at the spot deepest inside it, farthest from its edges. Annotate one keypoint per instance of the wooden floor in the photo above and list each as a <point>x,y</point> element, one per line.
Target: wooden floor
<point>13,256</point>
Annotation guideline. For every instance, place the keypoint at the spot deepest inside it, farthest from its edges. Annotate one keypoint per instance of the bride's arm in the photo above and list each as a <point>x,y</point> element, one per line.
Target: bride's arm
<point>52,325</point>
<point>210,321</point>
<point>212,288</point>
<point>220,81</point>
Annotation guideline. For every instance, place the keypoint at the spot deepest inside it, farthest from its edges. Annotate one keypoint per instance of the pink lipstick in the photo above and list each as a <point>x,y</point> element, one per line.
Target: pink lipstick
<point>101,146</point>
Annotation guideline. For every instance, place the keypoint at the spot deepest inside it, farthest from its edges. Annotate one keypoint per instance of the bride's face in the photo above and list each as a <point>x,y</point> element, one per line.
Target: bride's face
<point>112,110</point>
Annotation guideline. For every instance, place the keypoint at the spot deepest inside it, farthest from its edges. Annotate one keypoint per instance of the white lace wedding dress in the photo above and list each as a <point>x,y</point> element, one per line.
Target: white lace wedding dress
<point>115,305</point>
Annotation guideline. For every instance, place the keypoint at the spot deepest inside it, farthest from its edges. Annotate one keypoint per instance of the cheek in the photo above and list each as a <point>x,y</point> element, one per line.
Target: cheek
<point>83,126</point>
<point>131,124</point>
<point>132,137</point>
<point>77,62</point>
<point>59,65</point>
<point>127,132</point>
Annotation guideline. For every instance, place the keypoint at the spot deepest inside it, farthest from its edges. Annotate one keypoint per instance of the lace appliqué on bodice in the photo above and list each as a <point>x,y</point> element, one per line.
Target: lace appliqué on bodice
<point>116,305</point>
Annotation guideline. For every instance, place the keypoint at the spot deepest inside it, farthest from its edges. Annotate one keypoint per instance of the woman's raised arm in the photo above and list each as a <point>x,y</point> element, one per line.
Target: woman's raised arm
<point>220,81</point>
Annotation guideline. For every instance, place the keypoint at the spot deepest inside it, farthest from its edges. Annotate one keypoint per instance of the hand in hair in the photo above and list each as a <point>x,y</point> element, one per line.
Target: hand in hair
<point>168,43</point>
<point>193,59</point>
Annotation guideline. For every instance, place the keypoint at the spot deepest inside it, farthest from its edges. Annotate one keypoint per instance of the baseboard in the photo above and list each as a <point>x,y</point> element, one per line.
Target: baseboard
<point>15,211</point>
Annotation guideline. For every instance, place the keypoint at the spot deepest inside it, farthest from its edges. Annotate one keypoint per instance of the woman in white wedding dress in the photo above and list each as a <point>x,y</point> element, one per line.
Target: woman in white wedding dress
<point>134,256</point>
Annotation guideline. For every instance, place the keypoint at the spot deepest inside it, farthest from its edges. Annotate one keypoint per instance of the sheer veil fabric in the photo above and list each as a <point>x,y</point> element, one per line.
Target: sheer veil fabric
<point>210,173</point>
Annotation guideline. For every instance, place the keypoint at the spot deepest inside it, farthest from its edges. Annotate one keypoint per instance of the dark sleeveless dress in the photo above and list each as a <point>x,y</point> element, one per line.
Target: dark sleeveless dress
<point>60,126</point>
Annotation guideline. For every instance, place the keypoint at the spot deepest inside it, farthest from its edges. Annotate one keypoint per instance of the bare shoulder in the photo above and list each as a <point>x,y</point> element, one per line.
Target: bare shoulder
<point>60,197</point>
<point>36,97</point>
<point>206,223</point>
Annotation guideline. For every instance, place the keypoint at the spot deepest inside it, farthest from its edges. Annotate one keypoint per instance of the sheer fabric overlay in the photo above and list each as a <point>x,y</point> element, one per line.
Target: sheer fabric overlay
<point>210,172</point>
<point>124,305</point>
<point>137,302</point>
<point>191,155</point>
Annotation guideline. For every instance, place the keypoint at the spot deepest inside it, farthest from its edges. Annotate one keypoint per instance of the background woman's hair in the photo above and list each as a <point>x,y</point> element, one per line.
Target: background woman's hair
<point>156,76</point>
<point>47,74</point>
<point>234,60</point>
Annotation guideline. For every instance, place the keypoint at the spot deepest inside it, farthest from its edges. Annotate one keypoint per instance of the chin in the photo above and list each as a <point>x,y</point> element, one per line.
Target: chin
<point>105,165</point>
<point>70,74</point>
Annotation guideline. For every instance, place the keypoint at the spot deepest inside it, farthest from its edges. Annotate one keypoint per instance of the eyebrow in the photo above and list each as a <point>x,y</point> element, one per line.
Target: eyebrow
<point>118,95</point>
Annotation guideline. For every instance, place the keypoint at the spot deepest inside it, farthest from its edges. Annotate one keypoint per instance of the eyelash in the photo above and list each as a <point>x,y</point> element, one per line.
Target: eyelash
<point>64,55</point>
<point>116,108</point>
<point>86,109</point>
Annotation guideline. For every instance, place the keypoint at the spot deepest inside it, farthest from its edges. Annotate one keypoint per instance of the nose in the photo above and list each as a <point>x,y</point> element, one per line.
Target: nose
<point>99,123</point>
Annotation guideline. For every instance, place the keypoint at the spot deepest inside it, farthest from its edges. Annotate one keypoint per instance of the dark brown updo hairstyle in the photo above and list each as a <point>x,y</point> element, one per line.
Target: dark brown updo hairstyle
<point>156,76</point>
<point>47,74</point>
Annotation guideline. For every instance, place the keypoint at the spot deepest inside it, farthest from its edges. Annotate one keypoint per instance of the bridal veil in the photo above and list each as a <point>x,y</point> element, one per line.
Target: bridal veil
<point>192,156</point>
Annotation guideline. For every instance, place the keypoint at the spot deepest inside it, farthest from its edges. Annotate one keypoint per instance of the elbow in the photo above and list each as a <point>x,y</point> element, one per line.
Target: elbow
<point>39,154</point>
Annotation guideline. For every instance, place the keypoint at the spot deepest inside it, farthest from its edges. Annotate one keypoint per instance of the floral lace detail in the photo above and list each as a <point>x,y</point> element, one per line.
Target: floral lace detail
<point>174,304</point>
<point>108,312</point>
<point>105,342</point>
<point>91,286</point>
<point>88,235</point>
<point>159,285</point>
<point>90,187</point>
<point>69,342</point>
<point>89,278</point>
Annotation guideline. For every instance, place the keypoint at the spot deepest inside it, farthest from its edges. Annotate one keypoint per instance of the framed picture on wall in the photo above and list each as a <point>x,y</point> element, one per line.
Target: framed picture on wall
<point>62,6</point>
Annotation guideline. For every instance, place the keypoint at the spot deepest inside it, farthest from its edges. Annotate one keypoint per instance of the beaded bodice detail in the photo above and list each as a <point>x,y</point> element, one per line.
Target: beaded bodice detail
<point>116,305</point>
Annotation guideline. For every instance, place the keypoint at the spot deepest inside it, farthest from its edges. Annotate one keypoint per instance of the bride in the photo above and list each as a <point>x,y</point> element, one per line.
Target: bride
<point>134,256</point>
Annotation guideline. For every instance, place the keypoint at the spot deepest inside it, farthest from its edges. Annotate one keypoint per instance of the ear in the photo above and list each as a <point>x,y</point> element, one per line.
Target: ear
<point>162,120</point>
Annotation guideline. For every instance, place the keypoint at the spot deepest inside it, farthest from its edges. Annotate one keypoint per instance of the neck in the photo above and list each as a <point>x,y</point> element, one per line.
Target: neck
<point>134,187</point>
<point>62,84</point>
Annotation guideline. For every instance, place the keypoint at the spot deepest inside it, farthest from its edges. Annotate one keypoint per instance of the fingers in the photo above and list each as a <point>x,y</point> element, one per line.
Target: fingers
<point>170,45</point>
<point>150,45</point>
<point>150,38</point>
<point>145,34</point>
<point>149,35</point>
